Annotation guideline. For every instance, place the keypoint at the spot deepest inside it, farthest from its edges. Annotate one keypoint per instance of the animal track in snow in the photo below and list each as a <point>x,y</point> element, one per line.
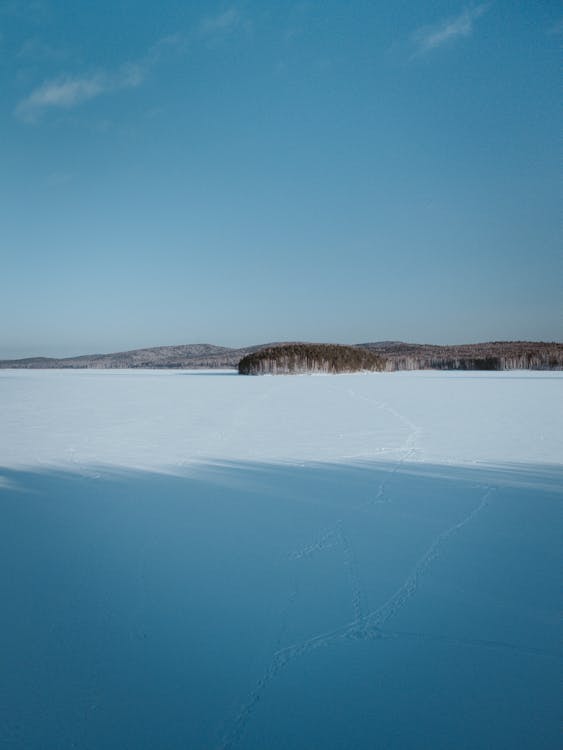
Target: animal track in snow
<point>353,574</point>
<point>327,540</point>
<point>368,627</point>
<point>375,633</point>
<point>410,585</point>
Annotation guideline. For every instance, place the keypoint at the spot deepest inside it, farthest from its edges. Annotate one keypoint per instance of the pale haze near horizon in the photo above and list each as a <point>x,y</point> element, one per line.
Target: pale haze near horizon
<point>248,172</point>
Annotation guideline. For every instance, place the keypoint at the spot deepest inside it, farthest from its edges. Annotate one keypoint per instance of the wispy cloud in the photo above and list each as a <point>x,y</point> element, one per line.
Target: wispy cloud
<point>224,24</point>
<point>68,91</point>
<point>220,24</point>
<point>428,38</point>
<point>71,90</point>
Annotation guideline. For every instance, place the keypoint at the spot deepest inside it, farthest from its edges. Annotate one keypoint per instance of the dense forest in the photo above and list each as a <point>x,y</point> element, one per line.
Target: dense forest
<point>391,356</point>
<point>493,355</point>
<point>310,358</point>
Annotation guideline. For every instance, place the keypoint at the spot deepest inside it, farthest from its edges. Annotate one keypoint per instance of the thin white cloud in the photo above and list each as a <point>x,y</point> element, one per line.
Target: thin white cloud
<point>71,90</point>
<point>217,28</point>
<point>223,23</point>
<point>68,91</point>
<point>64,92</point>
<point>429,38</point>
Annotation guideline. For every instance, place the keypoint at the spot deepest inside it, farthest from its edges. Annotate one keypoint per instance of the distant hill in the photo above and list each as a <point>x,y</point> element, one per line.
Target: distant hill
<point>397,355</point>
<point>188,355</point>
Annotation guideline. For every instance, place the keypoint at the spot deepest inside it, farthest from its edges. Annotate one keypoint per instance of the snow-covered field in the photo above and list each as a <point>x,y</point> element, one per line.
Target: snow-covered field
<point>203,560</point>
<point>168,419</point>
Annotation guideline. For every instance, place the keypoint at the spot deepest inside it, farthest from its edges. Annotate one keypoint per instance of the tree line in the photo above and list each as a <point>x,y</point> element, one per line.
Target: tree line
<point>392,356</point>
<point>310,358</point>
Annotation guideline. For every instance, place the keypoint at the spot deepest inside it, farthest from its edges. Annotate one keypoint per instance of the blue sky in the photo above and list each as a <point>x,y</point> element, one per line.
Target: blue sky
<point>180,172</point>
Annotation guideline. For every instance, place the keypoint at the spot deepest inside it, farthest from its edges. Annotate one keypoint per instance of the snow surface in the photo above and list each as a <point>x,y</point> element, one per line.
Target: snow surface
<point>202,560</point>
<point>169,419</point>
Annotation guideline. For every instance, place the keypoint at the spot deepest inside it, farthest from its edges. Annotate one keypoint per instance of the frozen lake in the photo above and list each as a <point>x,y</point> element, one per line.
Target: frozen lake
<point>203,560</point>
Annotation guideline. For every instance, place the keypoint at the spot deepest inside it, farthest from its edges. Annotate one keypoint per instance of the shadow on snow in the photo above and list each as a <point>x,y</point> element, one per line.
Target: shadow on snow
<point>254,606</point>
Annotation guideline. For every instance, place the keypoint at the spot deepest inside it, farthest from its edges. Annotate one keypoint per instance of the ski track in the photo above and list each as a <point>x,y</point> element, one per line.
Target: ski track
<point>367,626</point>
